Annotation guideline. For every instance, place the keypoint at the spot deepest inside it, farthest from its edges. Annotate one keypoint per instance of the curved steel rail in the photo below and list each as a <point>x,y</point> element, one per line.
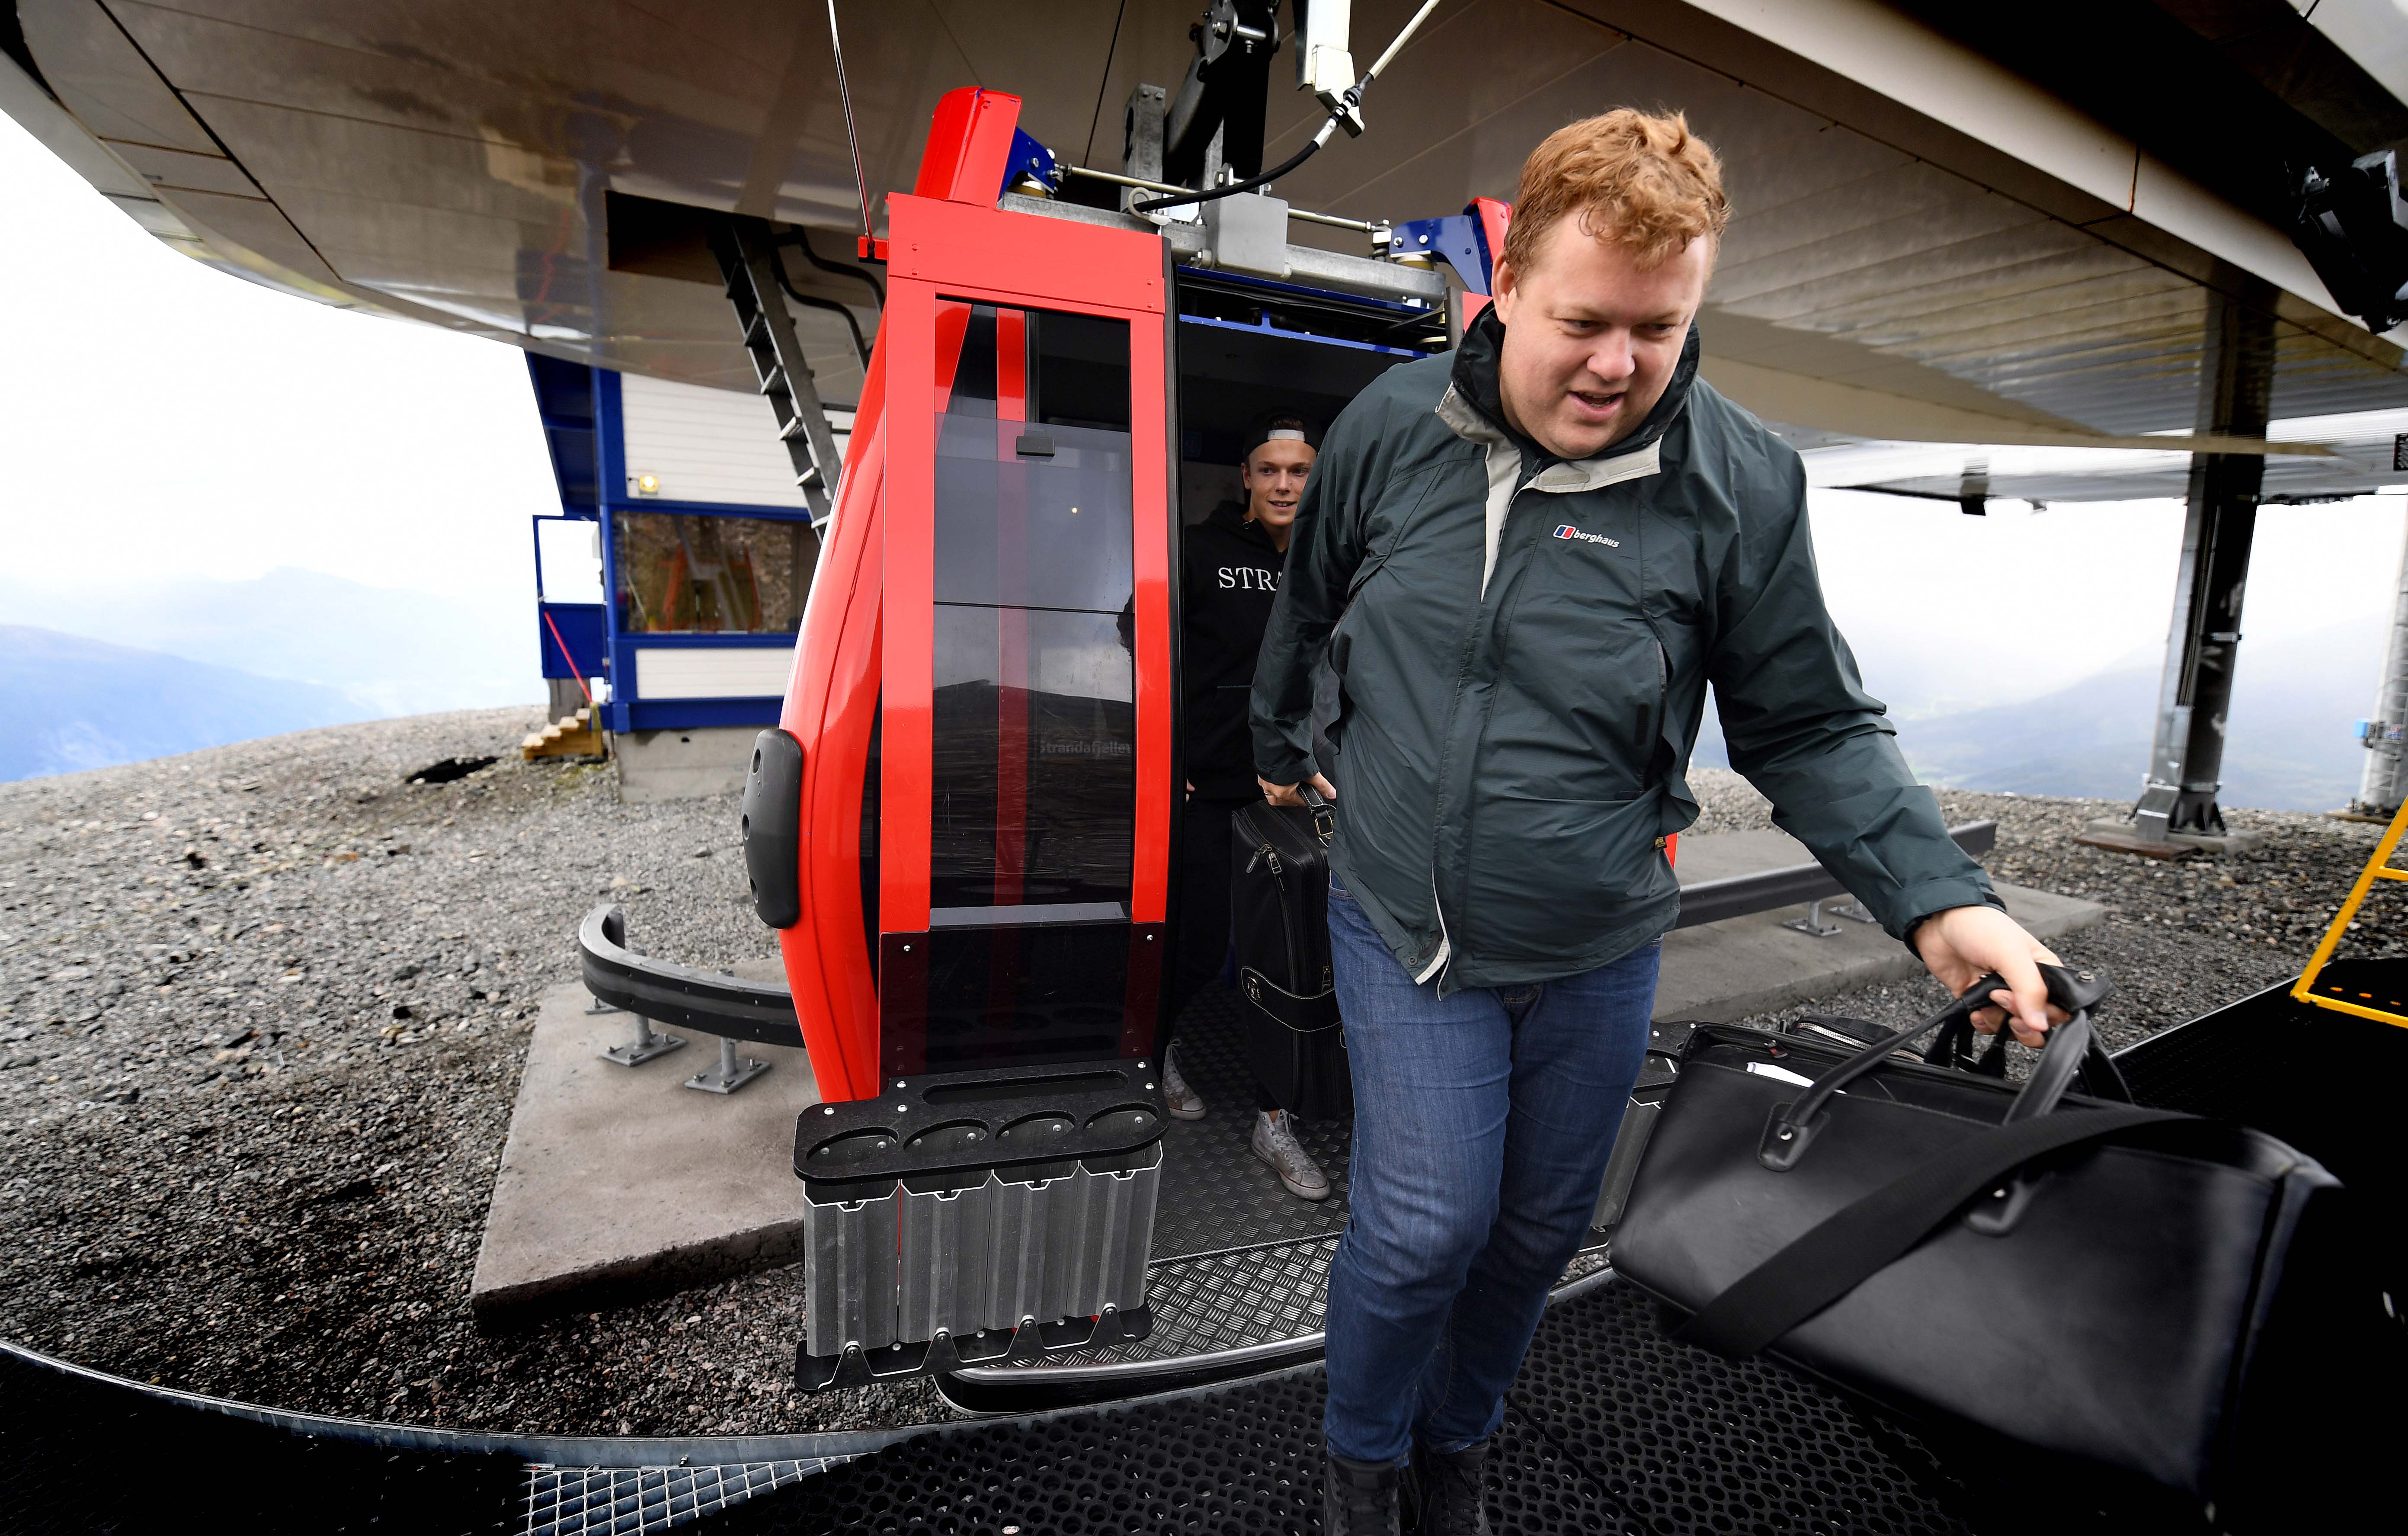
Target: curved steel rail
<point>680,996</point>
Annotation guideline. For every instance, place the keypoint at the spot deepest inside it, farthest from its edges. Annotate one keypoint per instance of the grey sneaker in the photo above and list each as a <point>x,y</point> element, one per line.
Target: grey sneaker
<point>1184,1102</point>
<point>1275,1143</point>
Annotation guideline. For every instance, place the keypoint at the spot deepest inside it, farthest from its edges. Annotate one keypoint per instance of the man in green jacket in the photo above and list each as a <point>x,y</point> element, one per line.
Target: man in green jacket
<point>1525,560</point>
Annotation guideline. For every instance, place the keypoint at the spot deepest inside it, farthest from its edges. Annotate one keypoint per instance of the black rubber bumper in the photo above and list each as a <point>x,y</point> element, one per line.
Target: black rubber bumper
<point>680,996</point>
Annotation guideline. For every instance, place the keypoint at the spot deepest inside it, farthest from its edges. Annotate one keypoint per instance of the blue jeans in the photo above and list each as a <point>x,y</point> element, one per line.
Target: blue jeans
<point>1482,1122</point>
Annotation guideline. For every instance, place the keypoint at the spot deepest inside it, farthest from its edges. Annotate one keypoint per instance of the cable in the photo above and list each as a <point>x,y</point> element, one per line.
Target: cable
<point>802,238</point>
<point>573,668</point>
<point>851,323</point>
<point>1234,188</point>
<point>851,136</point>
<point>1348,100</point>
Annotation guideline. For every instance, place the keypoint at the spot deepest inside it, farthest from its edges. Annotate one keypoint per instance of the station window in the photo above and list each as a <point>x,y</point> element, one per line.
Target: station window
<point>680,573</point>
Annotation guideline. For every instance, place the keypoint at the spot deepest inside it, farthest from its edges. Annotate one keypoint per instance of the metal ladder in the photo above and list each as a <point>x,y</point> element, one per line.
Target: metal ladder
<point>748,266</point>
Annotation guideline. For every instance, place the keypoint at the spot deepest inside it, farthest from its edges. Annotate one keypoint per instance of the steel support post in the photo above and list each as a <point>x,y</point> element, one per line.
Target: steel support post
<point>2384,784</point>
<point>732,1072</point>
<point>645,1046</point>
<point>2236,388</point>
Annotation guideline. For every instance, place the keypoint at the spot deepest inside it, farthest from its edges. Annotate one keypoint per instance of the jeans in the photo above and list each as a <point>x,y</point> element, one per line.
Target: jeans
<point>1482,1122</point>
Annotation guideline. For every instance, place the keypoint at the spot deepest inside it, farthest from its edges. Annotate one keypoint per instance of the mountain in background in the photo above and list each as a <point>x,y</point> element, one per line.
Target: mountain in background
<point>386,652</point>
<point>74,703</point>
<point>2288,746</point>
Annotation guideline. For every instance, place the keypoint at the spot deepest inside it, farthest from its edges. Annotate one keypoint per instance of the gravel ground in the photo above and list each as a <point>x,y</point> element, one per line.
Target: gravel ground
<point>2182,936</point>
<point>263,1011</point>
<point>262,1014</point>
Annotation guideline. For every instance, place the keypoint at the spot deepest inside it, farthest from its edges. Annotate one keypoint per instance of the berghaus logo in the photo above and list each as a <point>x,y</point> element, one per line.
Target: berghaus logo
<point>1568,531</point>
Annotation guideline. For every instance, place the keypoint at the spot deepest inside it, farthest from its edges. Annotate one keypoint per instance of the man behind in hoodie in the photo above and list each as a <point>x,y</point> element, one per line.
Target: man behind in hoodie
<point>1230,569</point>
<point>1526,561</point>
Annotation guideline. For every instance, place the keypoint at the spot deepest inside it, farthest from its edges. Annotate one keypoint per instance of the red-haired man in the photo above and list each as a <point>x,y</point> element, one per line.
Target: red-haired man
<point>1526,561</point>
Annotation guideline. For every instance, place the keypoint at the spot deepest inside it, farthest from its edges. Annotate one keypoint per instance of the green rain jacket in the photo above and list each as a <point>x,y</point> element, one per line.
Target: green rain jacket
<point>1523,646</point>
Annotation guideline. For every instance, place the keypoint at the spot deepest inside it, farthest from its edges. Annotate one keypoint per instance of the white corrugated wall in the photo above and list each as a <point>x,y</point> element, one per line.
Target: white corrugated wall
<point>708,444</point>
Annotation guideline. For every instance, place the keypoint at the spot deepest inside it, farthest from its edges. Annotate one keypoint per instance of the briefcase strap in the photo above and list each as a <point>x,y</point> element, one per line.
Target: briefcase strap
<point>1304,1015</point>
<point>1857,1241</point>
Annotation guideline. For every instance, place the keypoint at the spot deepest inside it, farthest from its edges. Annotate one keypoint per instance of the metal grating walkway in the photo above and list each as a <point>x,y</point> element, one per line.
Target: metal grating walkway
<point>639,1501</point>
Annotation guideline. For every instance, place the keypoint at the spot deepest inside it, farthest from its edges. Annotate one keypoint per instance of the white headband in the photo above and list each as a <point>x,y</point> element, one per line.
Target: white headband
<point>1283,434</point>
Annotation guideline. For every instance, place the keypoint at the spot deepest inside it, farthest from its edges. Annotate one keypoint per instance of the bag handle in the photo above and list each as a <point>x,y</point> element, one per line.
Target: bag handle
<point>1854,1244</point>
<point>1795,1124</point>
<point>1953,1047</point>
<point>1324,815</point>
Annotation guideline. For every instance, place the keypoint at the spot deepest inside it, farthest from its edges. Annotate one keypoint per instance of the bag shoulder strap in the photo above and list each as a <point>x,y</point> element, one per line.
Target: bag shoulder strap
<point>1852,1244</point>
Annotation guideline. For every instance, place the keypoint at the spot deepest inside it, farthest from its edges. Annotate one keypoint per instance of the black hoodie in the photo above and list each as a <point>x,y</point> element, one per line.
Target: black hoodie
<point>1230,573</point>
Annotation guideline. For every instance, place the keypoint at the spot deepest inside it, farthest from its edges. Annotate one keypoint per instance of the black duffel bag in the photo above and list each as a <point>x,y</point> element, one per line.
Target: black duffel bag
<point>2072,1273</point>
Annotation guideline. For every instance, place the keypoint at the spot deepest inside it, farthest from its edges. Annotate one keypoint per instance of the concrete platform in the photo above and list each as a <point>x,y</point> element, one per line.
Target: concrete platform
<point>689,765</point>
<point>1720,971</point>
<point>621,1181</point>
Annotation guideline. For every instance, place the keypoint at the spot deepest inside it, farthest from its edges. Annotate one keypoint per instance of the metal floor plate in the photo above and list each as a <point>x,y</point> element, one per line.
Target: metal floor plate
<point>1237,1259</point>
<point>1221,1301</point>
<point>1216,1194</point>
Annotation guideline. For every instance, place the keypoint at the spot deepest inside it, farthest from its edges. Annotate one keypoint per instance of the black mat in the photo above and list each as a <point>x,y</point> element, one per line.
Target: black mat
<point>1612,1429</point>
<point>1216,1194</point>
<point>1684,1440</point>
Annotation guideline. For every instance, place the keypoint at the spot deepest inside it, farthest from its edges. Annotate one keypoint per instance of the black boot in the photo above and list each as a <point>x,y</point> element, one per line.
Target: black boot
<point>1358,1497</point>
<point>1446,1494</point>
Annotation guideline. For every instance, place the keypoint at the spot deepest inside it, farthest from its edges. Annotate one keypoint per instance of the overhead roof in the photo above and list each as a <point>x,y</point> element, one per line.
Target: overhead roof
<point>1931,243</point>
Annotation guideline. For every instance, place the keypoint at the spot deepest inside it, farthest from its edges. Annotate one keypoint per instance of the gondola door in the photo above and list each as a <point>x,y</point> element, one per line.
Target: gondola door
<point>1026,755</point>
<point>981,699</point>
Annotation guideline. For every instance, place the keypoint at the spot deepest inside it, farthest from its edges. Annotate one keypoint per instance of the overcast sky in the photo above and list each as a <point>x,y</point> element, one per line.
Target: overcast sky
<point>162,420</point>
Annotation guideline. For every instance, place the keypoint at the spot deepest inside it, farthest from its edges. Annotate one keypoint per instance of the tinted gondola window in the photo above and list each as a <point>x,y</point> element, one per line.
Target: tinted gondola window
<point>1034,775</point>
<point>1033,770</point>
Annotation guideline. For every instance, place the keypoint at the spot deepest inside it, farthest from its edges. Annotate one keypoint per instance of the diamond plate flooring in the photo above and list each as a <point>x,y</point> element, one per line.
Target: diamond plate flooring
<point>1221,1301</point>
<point>1216,1194</point>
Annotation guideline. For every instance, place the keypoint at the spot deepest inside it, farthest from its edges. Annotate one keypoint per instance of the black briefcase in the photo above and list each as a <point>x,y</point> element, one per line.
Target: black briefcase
<point>2067,1270</point>
<point>1279,929</point>
<point>1657,1072</point>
